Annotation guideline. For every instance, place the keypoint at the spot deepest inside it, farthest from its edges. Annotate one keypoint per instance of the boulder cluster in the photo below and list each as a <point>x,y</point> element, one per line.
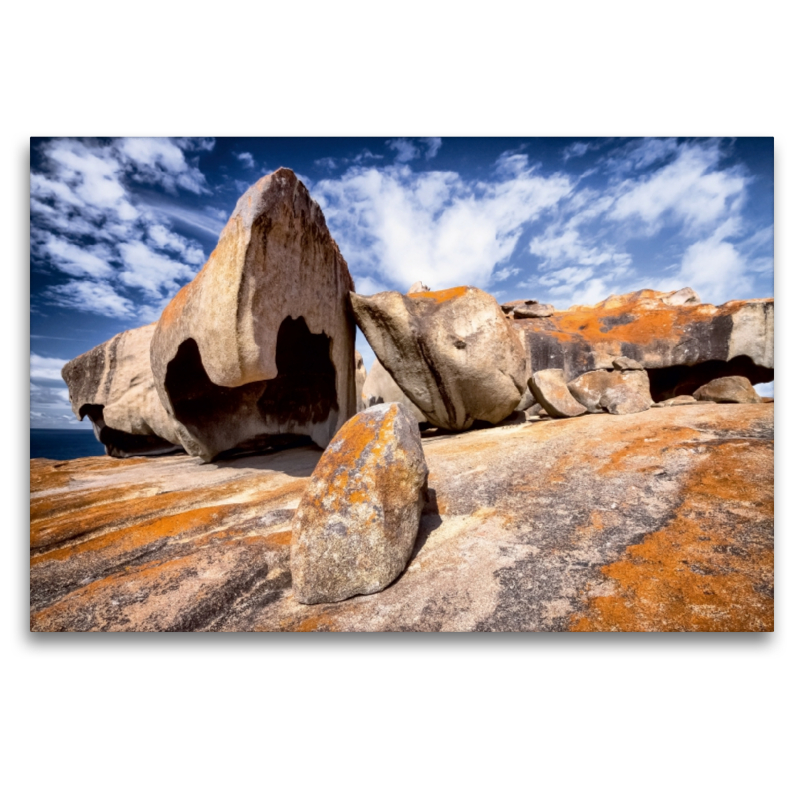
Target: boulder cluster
<point>258,352</point>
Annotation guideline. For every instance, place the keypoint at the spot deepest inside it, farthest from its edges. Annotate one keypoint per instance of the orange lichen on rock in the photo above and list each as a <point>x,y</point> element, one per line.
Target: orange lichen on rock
<point>710,568</point>
<point>441,296</point>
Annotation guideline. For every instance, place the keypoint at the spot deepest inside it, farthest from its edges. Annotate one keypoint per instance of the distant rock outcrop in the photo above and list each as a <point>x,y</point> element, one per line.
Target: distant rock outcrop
<point>112,385</point>
<point>733,389</point>
<point>615,391</point>
<point>452,352</point>
<point>258,348</point>
<point>357,522</point>
<point>682,343</point>
<point>380,387</point>
<point>551,392</point>
<point>361,377</point>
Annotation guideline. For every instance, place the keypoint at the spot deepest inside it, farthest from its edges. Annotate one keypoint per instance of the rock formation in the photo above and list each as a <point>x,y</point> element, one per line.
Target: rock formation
<point>113,385</point>
<point>258,348</point>
<point>660,521</point>
<point>682,343</point>
<point>551,392</point>
<point>732,389</point>
<point>380,387</point>
<point>616,391</point>
<point>452,352</point>
<point>357,522</point>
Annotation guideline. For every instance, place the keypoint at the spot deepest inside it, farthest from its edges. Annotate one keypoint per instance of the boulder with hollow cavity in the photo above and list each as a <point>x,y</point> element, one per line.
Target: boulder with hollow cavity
<point>682,343</point>
<point>452,352</point>
<point>614,391</point>
<point>358,519</point>
<point>258,349</point>
<point>112,384</point>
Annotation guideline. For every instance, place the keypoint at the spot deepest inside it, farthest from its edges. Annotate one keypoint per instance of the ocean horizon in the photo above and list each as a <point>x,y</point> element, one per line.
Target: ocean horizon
<point>63,445</point>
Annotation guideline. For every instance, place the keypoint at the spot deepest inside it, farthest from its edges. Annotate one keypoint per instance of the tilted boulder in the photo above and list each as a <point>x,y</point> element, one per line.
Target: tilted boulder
<point>615,391</point>
<point>358,519</point>
<point>452,352</point>
<point>682,343</point>
<point>258,348</point>
<point>380,387</point>
<point>113,386</point>
<point>551,392</point>
<point>733,389</point>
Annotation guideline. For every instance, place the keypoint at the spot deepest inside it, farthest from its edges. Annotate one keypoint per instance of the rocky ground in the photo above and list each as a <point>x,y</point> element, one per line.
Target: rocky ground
<point>656,521</point>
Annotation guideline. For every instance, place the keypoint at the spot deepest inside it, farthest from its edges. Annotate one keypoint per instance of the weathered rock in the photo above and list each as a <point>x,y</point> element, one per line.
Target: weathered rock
<point>647,522</point>
<point>551,392</point>
<point>259,347</point>
<point>419,286</point>
<point>681,343</point>
<point>453,352</point>
<point>534,411</point>
<point>732,389</point>
<point>527,400</point>
<point>113,385</point>
<point>617,392</point>
<point>533,311</point>
<point>380,387</point>
<point>626,363</point>
<point>509,306</point>
<point>680,400</point>
<point>361,377</point>
<point>357,522</point>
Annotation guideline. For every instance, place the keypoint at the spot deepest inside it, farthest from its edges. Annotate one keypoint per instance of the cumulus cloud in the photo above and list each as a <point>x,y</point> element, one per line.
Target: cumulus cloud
<point>46,368</point>
<point>119,249</point>
<point>246,159</point>
<point>433,226</point>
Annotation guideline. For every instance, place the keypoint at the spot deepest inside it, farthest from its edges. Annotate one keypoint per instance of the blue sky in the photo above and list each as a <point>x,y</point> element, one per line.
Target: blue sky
<point>119,225</point>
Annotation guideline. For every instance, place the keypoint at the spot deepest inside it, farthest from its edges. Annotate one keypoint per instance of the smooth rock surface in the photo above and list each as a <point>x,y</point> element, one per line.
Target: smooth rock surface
<point>682,344</point>
<point>551,392</point>
<point>453,352</point>
<point>380,387</point>
<point>361,378</point>
<point>112,384</point>
<point>659,521</point>
<point>680,400</point>
<point>258,348</point>
<point>358,519</point>
<point>617,392</point>
<point>733,389</point>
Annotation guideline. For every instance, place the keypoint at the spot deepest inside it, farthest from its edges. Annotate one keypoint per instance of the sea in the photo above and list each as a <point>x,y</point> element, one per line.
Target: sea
<point>64,444</point>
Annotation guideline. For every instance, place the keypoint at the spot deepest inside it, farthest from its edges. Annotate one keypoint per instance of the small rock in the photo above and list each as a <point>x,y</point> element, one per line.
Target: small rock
<point>533,311</point>
<point>624,363</point>
<point>512,304</point>
<point>617,392</point>
<point>731,389</point>
<point>680,400</point>
<point>527,400</point>
<point>357,521</point>
<point>767,399</point>
<point>419,286</point>
<point>550,390</point>
<point>683,297</point>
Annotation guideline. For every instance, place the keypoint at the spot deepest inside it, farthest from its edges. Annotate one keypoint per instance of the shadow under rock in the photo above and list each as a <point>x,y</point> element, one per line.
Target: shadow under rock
<point>298,462</point>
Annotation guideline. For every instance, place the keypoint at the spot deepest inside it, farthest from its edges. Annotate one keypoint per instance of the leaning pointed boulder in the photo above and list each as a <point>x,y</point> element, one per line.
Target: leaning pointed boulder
<point>112,384</point>
<point>258,348</point>
<point>453,353</point>
<point>358,519</point>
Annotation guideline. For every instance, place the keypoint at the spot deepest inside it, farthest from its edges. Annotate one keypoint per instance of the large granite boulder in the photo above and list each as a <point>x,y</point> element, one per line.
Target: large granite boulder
<point>380,387</point>
<point>553,395</point>
<point>682,343</point>
<point>733,389</point>
<point>258,348</point>
<point>357,522</point>
<point>452,352</point>
<point>113,386</point>
<point>615,391</point>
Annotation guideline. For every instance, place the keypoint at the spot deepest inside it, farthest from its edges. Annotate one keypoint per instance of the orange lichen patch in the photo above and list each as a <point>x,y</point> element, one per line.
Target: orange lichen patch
<point>317,622</point>
<point>174,310</point>
<point>279,539</point>
<point>442,295</point>
<point>48,474</point>
<point>711,567</point>
<point>185,524</point>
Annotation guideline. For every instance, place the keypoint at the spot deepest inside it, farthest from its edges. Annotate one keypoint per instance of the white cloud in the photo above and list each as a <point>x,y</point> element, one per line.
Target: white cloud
<point>91,296</point>
<point>78,261</point>
<point>406,149</point>
<point>150,271</point>
<point>160,161</point>
<point>432,145</point>
<point>433,226</point>
<point>247,160</point>
<point>46,368</point>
